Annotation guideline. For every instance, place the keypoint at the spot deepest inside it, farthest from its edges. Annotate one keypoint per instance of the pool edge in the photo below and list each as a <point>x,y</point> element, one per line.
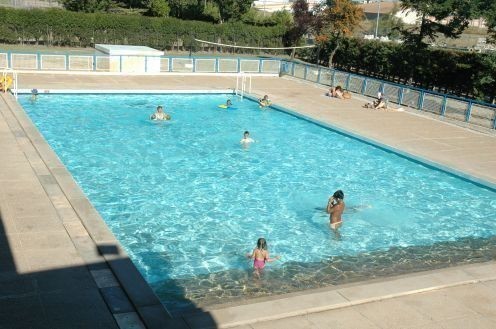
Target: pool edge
<point>409,156</point>
<point>151,311</point>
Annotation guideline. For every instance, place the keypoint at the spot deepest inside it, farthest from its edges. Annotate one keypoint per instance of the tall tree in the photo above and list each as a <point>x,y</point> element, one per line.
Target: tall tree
<point>302,22</point>
<point>435,17</point>
<point>336,20</point>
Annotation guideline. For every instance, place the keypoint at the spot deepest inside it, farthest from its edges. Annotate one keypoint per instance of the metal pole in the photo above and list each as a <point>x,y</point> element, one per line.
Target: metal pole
<point>378,14</point>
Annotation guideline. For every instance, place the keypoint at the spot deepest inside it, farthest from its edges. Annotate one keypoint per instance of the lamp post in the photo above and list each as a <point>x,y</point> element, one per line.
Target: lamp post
<point>377,21</point>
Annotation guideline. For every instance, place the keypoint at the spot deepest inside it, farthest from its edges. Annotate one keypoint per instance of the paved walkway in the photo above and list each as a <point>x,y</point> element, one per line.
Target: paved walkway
<point>467,306</point>
<point>59,261</point>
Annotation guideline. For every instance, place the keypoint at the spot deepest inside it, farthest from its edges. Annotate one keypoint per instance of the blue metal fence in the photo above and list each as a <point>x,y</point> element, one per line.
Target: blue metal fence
<point>457,108</point>
<point>477,113</point>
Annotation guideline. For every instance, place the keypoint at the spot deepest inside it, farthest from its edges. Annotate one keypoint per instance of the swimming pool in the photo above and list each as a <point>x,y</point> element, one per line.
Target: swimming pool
<point>188,202</point>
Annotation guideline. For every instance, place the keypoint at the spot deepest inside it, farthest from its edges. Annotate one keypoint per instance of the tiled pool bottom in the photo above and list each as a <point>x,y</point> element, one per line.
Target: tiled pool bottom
<point>180,296</point>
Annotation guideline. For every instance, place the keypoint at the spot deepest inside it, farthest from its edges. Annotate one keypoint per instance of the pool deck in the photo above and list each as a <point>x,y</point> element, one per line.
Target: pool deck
<point>59,260</point>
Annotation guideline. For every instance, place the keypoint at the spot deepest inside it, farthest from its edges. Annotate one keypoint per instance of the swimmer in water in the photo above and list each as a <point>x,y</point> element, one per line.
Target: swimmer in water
<point>260,256</point>
<point>160,115</point>
<point>264,102</point>
<point>228,103</point>
<point>34,95</point>
<point>335,208</point>
<point>246,140</point>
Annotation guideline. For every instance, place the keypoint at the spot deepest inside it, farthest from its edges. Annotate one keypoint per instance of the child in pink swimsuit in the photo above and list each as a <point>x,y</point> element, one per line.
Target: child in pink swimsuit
<point>260,256</point>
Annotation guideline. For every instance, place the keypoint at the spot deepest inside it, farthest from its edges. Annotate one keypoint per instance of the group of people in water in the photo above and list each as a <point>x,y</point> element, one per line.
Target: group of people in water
<point>260,254</point>
<point>335,205</point>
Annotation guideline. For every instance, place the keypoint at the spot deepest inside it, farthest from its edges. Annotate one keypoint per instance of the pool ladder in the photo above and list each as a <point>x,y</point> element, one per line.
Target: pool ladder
<point>242,80</point>
<point>14,86</point>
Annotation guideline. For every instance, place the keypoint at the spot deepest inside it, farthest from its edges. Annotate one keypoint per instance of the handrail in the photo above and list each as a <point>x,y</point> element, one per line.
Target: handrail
<point>14,87</point>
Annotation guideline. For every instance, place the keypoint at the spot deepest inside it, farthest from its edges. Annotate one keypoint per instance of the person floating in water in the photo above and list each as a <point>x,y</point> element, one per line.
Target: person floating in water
<point>260,256</point>
<point>228,103</point>
<point>246,140</point>
<point>160,115</point>
<point>335,208</point>
<point>34,94</point>
<point>264,102</point>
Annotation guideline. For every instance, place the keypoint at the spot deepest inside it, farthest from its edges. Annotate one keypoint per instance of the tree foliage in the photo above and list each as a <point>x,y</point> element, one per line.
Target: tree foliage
<point>88,6</point>
<point>487,10</point>
<point>66,28</point>
<point>158,8</point>
<point>335,20</point>
<point>446,17</point>
<point>465,74</point>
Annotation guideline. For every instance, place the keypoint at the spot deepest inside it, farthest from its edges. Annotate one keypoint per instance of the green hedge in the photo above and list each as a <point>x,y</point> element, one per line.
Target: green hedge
<point>65,28</point>
<point>461,73</point>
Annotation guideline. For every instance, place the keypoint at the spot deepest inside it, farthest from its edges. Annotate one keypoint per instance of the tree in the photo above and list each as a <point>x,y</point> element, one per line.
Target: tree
<point>487,10</point>
<point>233,9</point>
<point>302,22</point>
<point>447,17</point>
<point>336,20</point>
<point>158,8</point>
<point>88,6</point>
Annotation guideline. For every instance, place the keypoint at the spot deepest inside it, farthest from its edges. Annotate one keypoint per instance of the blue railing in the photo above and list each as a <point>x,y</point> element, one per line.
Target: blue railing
<point>456,108</point>
<point>136,64</point>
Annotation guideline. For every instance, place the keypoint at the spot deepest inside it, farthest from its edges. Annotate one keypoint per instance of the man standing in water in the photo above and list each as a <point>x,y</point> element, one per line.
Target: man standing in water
<point>335,208</point>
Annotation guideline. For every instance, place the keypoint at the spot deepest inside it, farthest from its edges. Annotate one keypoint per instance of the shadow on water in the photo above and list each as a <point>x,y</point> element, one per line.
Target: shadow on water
<point>240,285</point>
<point>69,296</point>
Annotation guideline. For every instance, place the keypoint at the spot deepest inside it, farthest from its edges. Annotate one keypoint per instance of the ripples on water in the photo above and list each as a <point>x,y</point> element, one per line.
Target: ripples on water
<point>187,202</point>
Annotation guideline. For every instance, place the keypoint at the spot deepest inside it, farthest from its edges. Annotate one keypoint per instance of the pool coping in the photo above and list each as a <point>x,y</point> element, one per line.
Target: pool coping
<point>273,307</point>
<point>142,297</point>
<point>415,158</point>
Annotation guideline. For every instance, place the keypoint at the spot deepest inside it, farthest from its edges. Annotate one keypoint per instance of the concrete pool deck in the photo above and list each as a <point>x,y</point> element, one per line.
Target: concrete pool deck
<point>58,257</point>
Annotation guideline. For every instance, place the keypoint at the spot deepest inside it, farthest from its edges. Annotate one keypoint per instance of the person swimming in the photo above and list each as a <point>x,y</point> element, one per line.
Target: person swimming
<point>160,115</point>
<point>335,208</point>
<point>246,139</point>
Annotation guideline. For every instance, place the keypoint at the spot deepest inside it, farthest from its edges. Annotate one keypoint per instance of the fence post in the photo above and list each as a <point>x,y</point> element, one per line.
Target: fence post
<point>9,60</point>
<point>347,85</point>
<point>94,62</point>
<point>333,77</point>
<point>318,75</point>
<point>401,91</point>
<point>469,112</point>
<point>194,64</point>
<point>292,69</point>
<point>239,64</point>
<point>67,62</point>
<point>494,120</point>
<point>146,64</point>
<point>306,70</point>
<point>420,104</point>
<point>120,63</point>
<point>216,65</point>
<point>443,106</point>
<point>259,66</point>
<point>169,59</point>
<point>38,60</point>
<point>364,86</point>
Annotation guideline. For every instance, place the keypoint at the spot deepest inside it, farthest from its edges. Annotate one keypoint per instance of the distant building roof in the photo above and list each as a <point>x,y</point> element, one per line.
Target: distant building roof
<point>125,50</point>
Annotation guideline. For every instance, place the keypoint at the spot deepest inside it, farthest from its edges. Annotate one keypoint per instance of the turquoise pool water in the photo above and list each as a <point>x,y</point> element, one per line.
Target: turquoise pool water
<point>188,202</point>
